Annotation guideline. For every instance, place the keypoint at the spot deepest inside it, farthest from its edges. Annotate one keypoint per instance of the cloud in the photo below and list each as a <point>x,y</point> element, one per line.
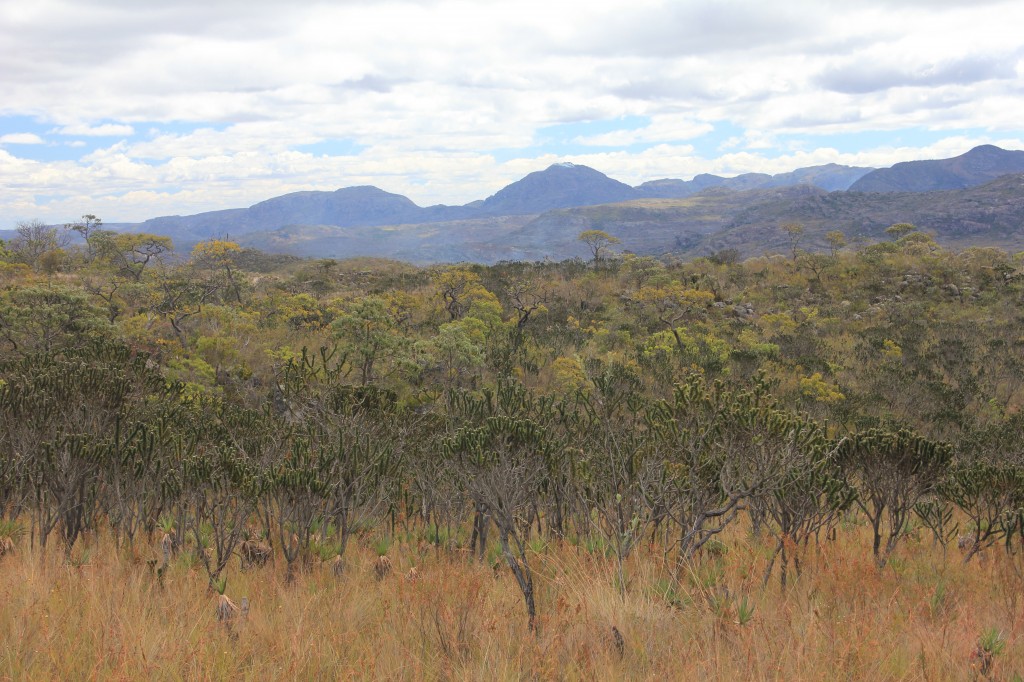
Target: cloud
<point>216,104</point>
<point>103,130</point>
<point>21,138</point>
<point>661,129</point>
<point>856,78</point>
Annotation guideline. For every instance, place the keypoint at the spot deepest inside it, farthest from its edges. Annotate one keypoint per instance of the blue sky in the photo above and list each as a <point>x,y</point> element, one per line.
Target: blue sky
<point>130,110</point>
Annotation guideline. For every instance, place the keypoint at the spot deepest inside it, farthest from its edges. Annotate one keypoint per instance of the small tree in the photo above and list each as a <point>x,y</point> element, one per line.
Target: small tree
<point>612,470</point>
<point>836,241</point>
<point>47,318</point>
<point>217,254</point>
<point>370,332</point>
<point>900,230</point>
<point>891,471</point>
<point>502,465</point>
<point>34,240</point>
<point>87,227</point>
<point>67,416</point>
<point>526,297</point>
<point>459,288</point>
<point>795,234</point>
<point>220,487</point>
<point>346,452</point>
<point>599,243</point>
<point>503,456</point>
<point>805,496</point>
<point>987,483</point>
<point>709,458</point>
<point>129,253</point>
<point>991,495</point>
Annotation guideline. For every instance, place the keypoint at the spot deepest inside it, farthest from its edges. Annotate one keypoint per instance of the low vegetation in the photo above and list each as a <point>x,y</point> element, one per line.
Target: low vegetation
<point>804,466</point>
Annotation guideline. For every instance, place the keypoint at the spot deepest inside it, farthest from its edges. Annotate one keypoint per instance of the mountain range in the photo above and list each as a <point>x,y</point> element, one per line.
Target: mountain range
<point>976,167</point>
<point>974,198</point>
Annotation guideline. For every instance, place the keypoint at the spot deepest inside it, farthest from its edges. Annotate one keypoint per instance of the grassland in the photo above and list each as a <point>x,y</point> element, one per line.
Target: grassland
<point>104,615</point>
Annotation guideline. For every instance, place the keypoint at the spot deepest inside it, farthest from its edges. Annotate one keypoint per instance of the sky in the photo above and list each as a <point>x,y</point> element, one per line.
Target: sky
<point>131,109</point>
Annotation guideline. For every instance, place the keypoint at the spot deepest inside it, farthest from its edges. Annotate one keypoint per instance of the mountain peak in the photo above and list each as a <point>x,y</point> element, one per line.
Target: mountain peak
<point>561,185</point>
<point>975,167</point>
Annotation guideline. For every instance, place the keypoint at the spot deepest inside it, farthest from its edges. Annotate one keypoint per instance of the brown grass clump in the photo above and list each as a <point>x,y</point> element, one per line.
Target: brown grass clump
<point>10,531</point>
<point>227,610</point>
<point>382,567</point>
<point>254,553</point>
<point>922,618</point>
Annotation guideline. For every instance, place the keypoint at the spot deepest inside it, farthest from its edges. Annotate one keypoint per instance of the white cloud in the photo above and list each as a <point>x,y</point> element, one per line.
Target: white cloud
<point>103,130</point>
<point>663,128</point>
<point>21,138</point>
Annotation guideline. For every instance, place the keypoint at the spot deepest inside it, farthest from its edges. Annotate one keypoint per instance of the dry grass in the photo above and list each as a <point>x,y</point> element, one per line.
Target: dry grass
<point>919,619</point>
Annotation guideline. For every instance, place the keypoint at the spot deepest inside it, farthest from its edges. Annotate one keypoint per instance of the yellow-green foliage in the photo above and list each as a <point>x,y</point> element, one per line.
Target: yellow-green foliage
<point>815,388</point>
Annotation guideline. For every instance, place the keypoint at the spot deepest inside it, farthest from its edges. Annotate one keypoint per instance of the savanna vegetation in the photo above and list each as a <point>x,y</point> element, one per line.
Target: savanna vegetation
<point>231,464</point>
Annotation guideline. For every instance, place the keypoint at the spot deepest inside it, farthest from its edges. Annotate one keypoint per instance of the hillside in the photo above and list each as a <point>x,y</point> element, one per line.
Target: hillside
<point>560,186</point>
<point>346,207</point>
<point>751,221</point>
<point>830,177</point>
<point>976,167</point>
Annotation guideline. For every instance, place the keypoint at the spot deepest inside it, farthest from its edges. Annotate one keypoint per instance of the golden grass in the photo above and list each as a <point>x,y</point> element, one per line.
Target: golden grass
<point>919,619</point>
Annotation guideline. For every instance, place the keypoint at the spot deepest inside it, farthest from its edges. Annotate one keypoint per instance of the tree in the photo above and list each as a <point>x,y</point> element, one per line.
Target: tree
<point>459,289</point>
<point>129,253</point>
<point>220,487</point>
<point>836,241</point>
<point>457,350</point>
<point>47,318</point>
<point>900,230</point>
<point>795,234</point>
<point>34,240</point>
<point>500,465</point>
<point>613,436</point>
<point>716,451</point>
<point>217,254</point>
<point>672,305</point>
<point>370,333</point>
<point>805,496</point>
<point>180,294</point>
<point>526,297</point>
<point>640,270</point>
<point>599,243</point>
<point>344,456</point>
<point>697,481</point>
<point>891,471</point>
<point>88,226</point>
<point>70,414</point>
<point>987,483</point>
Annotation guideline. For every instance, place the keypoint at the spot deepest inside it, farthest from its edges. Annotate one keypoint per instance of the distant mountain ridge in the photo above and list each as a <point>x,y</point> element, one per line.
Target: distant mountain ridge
<point>830,177</point>
<point>562,185</point>
<point>691,216</point>
<point>362,206</point>
<point>975,167</point>
<point>748,221</point>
